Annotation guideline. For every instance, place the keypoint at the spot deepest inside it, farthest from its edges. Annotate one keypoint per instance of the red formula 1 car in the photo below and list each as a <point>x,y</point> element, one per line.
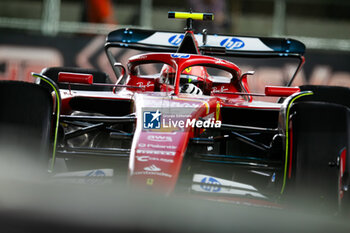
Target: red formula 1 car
<point>182,121</point>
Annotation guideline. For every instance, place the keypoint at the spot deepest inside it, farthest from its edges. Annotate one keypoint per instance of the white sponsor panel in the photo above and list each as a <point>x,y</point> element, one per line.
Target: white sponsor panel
<point>238,43</point>
<point>159,138</point>
<point>156,152</point>
<point>233,191</point>
<point>146,158</point>
<point>218,185</point>
<point>153,173</point>
<point>231,43</point>
<point>208,123</point>
<point>157,146</point>
<point>199,177</point>
<point>161,38</point>
<point>98,176</point>
<point>97,172</point>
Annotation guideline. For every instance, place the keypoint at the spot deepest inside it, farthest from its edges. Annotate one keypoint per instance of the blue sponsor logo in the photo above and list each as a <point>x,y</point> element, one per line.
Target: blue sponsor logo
<point>91,177</point>
<point>273,178</point>
<point>96,173</point>
<point>232,43</point>
<point>176,40</point>
<point>151,119</point>
<point>209,184</point>
<point>180,55</point>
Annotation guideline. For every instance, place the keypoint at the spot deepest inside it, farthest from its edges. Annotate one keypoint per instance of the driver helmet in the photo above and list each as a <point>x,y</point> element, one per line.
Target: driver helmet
<point>190,88</point>
<point>195,75</point>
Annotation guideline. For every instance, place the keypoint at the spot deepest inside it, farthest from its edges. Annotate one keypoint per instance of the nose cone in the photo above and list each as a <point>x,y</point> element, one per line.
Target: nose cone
<point>157,160</point>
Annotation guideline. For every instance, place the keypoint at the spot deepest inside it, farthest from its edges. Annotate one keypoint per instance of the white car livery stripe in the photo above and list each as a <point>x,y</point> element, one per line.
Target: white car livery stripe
<point>229,42</point>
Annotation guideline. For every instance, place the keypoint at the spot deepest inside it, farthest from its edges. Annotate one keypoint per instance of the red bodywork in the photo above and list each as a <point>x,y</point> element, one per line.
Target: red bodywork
<point>157,154</point>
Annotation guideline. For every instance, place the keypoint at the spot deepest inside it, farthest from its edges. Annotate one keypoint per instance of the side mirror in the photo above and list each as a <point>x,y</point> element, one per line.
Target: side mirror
<point>67,77</point>
<point>244,84</point>
<point>280,91</point>
<point>251,72</point>
<point>122,70</point>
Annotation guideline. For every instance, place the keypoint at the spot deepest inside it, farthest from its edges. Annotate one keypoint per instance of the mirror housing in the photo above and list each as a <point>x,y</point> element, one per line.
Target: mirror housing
<point>67,77</point>
<point>251,72</point>
<point>280,91</point>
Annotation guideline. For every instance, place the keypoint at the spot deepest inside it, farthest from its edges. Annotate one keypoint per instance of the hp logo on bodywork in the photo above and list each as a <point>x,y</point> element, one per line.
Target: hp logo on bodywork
<point>232,43</point>
<point>180,55</point>
<point>176,40</point>
<point>210,184</point>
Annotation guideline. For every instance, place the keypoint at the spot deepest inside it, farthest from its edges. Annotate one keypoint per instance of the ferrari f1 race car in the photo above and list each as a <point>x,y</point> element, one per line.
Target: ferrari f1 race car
<point>181,120</point>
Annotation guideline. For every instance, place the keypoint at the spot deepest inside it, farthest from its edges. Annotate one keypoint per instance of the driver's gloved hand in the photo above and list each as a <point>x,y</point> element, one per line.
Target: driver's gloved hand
<point>190,88</point>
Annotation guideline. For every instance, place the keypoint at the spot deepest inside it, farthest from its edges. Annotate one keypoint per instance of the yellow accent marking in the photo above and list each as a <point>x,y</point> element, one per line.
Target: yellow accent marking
<point>206,107</point>
<point>188,69</point>
<point>218,108</point>
<point>185,15</point>
<point>150,181</point>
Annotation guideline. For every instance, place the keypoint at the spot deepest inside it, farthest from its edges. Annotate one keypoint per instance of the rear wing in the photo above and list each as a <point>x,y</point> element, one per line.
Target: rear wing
<point>163,41</point>
<point>227,45</point>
